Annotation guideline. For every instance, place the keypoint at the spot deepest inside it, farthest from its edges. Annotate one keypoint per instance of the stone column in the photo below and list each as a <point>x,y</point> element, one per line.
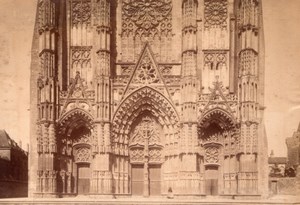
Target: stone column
<point>63,178</point>
<point>69,179</point>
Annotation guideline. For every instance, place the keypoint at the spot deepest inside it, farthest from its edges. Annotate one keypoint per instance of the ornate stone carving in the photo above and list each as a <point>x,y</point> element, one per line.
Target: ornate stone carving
<point>81,12</point>
<point>248,15</point>
<point>166,70</point>
<point>82,154</point>
<point>212,155</point>
<point>147,14</point>
<point>218,99</point>
<point>47,60</point>
<point>103,63</point>
<point>46,14</point>
<point>102,13</point>
<point>248,62</point>
<point>213,138</point>
<point>84,139</point>
<point>215,13</point>
<point>81,57</point>
<point>126,69</point>
<point>189,8</point>
<point>77,88</point>
<point>155,155</point>
<point>146,73</point>
<point>146,21</point>
<point>145,142</point>
<point>142,100</point>
<point>215,60</point>
<point>146,128</point>
<point>136,155</point>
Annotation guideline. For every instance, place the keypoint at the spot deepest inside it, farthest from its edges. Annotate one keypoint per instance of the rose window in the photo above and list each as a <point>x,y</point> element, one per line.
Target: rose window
<point>147,14</point>
<point>147,73</point>
<point>215,11</point>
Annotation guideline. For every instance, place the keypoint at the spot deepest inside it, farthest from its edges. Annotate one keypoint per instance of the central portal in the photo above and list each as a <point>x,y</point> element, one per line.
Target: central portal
<point>152,185</point>
<point>145,158</point>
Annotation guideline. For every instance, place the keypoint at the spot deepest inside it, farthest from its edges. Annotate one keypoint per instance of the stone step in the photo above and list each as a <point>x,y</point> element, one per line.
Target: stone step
<point>148,201</point>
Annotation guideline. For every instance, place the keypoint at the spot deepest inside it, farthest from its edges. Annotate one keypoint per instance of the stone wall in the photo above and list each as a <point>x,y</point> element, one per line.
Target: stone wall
<point>11,189</point>
<point>283,186</point>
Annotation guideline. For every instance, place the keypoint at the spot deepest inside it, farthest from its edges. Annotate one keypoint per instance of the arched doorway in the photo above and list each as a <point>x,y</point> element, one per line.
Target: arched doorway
<point>75,153</point>
<point>211,140</point>
<point>81,145</point>
<point>219,144</point>
<point>145,151</point>
<point>136,170</point>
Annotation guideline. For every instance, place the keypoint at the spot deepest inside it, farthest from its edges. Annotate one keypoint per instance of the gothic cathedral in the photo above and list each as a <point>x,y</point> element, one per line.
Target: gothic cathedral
<point>147,98</point>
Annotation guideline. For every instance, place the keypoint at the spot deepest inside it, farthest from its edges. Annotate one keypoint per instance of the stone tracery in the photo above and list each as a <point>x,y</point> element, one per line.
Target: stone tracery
<point>215,12</point>
<point>82,154</point>
<point>147,14</point>
<point>144,99</point>
<point>81,12</point>
<point>147,73</point>
<point>151,23</point>
<point>106,53</point>
<point>212,155</point>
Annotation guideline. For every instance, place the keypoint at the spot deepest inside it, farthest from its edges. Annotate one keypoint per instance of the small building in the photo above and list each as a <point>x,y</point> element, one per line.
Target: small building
<point>277,165</point>
<point>293,147</point>
<point>14,168</point>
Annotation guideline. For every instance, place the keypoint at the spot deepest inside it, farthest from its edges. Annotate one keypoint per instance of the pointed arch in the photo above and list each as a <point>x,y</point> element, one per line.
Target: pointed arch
<point>145,99</point>
<point>220,116</point>
<point>74,119</point>
<point>147,65</point>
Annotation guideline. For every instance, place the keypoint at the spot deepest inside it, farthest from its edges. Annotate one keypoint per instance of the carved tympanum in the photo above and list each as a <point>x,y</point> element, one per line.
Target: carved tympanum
<point>146,132</point>
<point>145,141</point>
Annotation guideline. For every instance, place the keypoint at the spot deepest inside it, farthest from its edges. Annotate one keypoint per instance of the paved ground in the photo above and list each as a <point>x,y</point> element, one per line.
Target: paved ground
<point>150,201</point>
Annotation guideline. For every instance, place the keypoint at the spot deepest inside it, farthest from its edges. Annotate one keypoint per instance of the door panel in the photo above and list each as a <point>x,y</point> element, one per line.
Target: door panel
<point>211,180</point>
<point>214,187</point>
<point>84,179</point>
<point>155,180</point>
<point>137,183</point>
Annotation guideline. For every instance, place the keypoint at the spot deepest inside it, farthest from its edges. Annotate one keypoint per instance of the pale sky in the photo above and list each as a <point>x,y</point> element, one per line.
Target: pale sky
<point>282,80</point>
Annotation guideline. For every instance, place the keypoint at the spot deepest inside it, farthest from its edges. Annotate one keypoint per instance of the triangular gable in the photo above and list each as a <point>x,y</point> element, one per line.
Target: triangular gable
<point>76,91</point>
<point>217,96</point>
<point>145,73</point>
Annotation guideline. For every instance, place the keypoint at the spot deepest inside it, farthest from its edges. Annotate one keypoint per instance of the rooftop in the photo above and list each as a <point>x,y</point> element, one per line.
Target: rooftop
<point>277,160</point>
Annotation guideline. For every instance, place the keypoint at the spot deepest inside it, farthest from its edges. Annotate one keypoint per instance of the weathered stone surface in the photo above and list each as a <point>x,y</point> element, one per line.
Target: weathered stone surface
<point>141,97</point>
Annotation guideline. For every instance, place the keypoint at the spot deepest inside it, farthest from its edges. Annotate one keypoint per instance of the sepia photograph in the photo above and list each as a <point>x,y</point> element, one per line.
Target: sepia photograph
<point>150,102</point>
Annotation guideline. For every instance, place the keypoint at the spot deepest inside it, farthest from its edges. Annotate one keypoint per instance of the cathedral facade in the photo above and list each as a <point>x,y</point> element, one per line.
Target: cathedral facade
<point>147,98</point>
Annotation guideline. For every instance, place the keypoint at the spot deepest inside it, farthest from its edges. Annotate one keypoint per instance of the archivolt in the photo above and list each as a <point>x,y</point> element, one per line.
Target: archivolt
<point>144,99</point>
<point>223,118</point>
<point>74,119</point>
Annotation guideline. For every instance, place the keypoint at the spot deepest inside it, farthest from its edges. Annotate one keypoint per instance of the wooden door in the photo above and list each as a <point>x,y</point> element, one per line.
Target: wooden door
<point>211,180</point>
<point>155,180</point>
<point>137,179</point>
<point>84,176</point>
